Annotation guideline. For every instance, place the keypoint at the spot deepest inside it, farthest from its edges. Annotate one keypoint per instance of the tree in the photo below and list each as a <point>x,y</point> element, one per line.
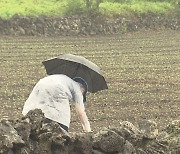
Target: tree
<point>92,5</point>
<point>87,6</point>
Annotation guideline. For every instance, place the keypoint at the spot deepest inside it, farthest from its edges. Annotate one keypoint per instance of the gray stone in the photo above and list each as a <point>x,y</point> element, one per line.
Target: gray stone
<point>97,152</point>
<point>81,143</point>
<point>108,141</point>
<point>149,128</point>
<point>129,148</point>
<point>128,131</point>
<point>30,134</point>
<point>9,137</point>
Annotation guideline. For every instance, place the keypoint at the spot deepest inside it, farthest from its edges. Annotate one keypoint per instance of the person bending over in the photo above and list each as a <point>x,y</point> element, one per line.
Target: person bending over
<point>53,95</point>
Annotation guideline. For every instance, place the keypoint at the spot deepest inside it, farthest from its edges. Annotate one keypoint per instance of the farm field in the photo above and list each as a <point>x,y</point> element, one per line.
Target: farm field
<point>142,70</point>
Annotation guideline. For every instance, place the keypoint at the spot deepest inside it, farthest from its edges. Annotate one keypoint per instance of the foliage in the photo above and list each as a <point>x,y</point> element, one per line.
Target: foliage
<point>74,7</point>
<point>176,3</point>
<point>8,8</point>
<point>130,1</point>
<point>120,1</point>
<point>138,8</point>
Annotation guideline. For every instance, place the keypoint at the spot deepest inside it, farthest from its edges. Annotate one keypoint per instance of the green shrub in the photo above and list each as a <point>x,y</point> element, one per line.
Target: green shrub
<point>138,8</point>
<point>176,2</point>
<point>82,6</point>
<point>74,7</point>
<point>8,8</point>
<point>120,1</point>
<point>130,1</point>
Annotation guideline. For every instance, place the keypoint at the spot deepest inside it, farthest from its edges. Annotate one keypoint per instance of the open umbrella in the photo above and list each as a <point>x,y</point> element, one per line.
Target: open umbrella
<point>77,66</point>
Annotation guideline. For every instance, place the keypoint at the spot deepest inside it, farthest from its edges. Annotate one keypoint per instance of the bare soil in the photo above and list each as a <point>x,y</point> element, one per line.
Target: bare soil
<point>142,70</point>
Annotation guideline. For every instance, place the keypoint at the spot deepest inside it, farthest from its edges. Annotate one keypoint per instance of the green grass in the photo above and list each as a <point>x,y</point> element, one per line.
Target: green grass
<point>8,8</point>
<point>141,7</point>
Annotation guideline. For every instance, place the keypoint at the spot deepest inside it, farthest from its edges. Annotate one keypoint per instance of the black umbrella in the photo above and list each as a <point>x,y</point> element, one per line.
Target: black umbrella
<point>77,66</point>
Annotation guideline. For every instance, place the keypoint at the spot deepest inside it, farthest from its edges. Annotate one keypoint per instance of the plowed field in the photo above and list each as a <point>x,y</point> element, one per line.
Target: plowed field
<point>142,70</point>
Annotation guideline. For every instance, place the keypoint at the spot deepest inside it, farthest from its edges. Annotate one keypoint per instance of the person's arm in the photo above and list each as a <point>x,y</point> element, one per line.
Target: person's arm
<point>83,118</point>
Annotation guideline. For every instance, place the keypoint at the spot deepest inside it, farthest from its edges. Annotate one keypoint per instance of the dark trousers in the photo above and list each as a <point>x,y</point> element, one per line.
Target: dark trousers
<point>61,125</point>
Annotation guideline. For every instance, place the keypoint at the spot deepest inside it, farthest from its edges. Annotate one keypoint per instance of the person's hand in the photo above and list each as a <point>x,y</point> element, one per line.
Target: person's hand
<point>83,118</point>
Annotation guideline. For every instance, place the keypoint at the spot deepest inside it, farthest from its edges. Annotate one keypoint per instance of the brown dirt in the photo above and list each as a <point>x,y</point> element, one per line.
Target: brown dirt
<point>141,69</point>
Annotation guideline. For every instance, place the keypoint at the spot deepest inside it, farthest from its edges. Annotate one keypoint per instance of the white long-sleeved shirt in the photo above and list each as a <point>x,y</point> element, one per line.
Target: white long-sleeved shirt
<point>52,95</point>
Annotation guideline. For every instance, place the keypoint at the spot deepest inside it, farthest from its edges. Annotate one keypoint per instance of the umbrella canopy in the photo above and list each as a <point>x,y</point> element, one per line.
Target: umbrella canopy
<point>77,66</point>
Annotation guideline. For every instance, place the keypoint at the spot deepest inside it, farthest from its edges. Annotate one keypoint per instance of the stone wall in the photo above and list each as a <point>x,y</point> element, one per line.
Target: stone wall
<point>30,135</point>
<point>81,25</point>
